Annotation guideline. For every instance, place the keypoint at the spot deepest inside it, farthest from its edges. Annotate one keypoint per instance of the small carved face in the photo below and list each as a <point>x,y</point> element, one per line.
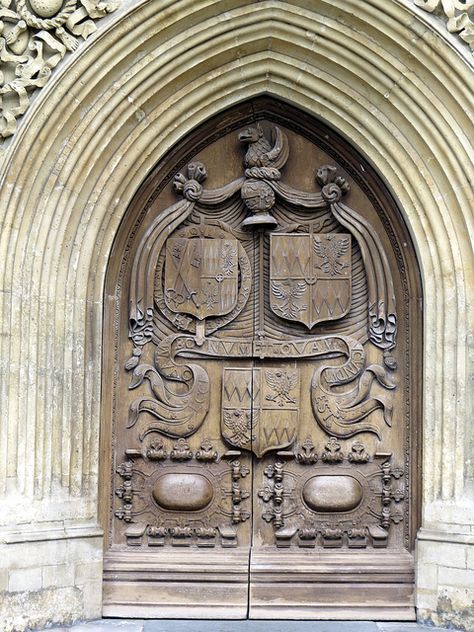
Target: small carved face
<point>250,135</point>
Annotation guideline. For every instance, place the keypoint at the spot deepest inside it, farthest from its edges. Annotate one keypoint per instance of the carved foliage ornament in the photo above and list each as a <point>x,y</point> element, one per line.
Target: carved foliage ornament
<point>459,14</point>
<point>35,35</point>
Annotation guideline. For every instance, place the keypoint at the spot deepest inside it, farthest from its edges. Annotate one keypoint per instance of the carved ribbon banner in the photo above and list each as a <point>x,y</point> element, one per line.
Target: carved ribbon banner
<point>339,414</point>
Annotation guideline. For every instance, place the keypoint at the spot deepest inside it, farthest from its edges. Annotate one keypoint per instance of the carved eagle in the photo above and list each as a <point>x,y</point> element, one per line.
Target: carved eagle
<point>331,250</point>
<point>289,292</point>
<point>239,422</point>
<point>260,153</point>
<point>282,382</point>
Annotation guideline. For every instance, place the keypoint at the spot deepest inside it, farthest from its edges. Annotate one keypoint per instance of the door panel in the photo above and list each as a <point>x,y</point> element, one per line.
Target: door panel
<point>260,383</point>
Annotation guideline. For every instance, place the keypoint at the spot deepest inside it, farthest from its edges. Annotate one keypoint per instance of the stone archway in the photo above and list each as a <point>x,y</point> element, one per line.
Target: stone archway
<point>379,73</point>
<point>261,374</point>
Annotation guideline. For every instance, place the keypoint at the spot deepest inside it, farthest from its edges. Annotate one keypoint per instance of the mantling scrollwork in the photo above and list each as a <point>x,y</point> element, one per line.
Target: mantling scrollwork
<point>196,272</point>
<point>35,35</point>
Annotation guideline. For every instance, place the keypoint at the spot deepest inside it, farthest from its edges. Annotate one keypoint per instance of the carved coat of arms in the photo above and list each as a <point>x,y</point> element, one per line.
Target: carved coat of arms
<point>201,276</point>
<point>260,408</point>
<point>310,276</point>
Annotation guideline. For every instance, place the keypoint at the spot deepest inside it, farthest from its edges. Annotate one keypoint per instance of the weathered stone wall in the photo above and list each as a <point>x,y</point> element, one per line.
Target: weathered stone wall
<point>50,575</point>
<point>445,579</point>
<point>388,76</point>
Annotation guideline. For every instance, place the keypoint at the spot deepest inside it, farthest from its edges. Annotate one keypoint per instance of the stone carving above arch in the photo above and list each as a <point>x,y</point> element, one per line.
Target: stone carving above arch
<point>459,16</point>
<point>35,36</point>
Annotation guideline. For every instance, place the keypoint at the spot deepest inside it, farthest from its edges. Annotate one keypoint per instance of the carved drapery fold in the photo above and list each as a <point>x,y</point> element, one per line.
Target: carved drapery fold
<point>145,262</point>
<point>382,315</point>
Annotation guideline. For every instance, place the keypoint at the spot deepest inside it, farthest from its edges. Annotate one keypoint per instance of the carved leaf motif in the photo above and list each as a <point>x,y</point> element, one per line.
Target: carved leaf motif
<point>36,36</point>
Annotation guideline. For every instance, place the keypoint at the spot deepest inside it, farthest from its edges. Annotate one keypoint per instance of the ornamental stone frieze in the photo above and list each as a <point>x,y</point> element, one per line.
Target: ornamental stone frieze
<point>458,13</point>
<point>35,36</point>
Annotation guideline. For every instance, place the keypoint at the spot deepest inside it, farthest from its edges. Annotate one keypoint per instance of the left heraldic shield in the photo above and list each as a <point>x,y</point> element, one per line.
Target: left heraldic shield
<point>201,276</point>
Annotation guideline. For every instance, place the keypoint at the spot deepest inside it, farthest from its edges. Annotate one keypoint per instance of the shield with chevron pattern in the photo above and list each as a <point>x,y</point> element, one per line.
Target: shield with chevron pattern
<point>310,276</point>
<point>260,408</point>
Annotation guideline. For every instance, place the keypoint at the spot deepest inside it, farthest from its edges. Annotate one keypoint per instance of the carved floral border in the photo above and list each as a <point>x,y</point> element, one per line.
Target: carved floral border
<point>35,36</point>
<point>458,13</point>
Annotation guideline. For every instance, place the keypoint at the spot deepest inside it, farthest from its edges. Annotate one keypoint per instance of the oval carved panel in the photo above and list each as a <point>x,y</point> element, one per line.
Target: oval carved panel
<point>182,492</point>
<point>332,493</point>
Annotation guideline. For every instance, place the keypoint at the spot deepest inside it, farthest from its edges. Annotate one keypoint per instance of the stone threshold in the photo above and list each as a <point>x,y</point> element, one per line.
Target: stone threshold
<point>174,625</point>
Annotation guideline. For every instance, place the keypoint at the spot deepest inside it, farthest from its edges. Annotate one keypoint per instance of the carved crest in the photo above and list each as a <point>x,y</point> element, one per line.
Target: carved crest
<point>237,420</point>
<point>310,276</point>
<point>201,276</point>
<point>260,408</point>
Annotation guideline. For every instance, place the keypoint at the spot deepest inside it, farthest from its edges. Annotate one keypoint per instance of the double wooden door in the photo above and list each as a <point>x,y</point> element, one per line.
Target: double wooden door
<point>260,402</point>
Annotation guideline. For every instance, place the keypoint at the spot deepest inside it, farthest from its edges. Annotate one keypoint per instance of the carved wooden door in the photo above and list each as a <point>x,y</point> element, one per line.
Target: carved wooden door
<point>260,382</point>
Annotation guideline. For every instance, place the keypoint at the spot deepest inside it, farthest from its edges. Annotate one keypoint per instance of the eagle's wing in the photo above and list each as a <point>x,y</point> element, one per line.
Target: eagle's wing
<point>292,380</point>
<point>279,291</point>
<point>273,380</point>
<point>228,421</point>
<point>297,290</point>
<point>341,246</point>
<point>278,155</point>
<point>319,248</point>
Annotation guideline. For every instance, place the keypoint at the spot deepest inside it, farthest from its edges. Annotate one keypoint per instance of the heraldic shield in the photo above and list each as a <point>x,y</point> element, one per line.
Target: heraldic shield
<point>201,276</point>
<point>260,408</point>
<point>310,276</point>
